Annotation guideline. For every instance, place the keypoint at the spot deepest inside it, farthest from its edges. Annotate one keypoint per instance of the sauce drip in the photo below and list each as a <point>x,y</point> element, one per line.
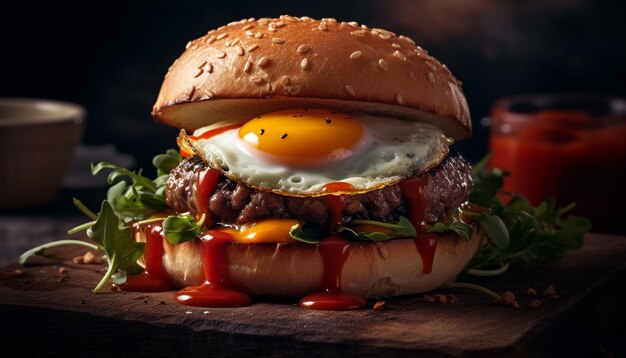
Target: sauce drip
<point>413,192</point>
<point>335,203</point>
<point>426,247</point>
<point>154,278</point>
<point>207,182</point>
<point>213,132</point>
<point>335,251</point>
<point>214,292</point>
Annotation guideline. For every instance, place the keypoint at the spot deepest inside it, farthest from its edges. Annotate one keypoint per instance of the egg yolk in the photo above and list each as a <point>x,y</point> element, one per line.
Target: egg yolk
<point>303,137</point>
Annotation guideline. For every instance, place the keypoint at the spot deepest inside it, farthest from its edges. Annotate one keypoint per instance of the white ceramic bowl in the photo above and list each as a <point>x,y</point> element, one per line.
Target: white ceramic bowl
<point>37,141</point>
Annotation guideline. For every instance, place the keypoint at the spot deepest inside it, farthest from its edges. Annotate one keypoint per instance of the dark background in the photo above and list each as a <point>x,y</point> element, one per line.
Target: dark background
<point>110,56</point>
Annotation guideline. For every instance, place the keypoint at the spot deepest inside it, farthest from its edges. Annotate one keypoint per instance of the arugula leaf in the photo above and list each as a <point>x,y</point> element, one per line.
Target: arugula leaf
<point>179,229</point>
<point>166,162</point>
<point>458,227</point>
<point>516,230</point>
<point>121,249</point>
<point>134,196</point>
<point>308,235</point>
<point>403,228</point>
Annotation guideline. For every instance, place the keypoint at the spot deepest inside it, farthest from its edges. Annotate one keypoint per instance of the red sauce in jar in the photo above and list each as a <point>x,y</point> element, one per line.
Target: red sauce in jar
<point>154,278</point>
<point>334,251</point>
<point>215,291</point>
<point>566,154</point>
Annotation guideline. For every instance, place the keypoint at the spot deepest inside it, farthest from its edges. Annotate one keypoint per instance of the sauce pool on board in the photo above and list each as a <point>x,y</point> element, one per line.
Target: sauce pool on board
<point>334,251</point>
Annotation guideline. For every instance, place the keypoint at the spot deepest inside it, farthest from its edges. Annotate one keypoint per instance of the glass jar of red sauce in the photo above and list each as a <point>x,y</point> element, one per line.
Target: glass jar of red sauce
<point>572,147</point>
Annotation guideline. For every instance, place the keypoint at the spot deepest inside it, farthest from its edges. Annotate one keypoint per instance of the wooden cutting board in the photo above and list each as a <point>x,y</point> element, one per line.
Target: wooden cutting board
<point>43,315</point>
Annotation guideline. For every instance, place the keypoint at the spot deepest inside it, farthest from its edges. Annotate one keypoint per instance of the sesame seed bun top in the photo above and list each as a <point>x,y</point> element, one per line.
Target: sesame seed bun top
<point>250,67</point>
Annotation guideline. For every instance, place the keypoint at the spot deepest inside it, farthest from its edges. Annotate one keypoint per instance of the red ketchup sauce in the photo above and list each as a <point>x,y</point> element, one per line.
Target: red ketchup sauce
<point>214,292</point>
<point>335,251</point>
<point>426,247</point>
<point>335,203</point>
<point>207,182</point>
<point>154,278</point>
<point>211,133</point>
<point>413,192</point>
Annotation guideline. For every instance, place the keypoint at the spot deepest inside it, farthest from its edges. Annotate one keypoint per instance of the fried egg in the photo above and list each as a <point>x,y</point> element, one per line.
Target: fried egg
<point>314,152</point>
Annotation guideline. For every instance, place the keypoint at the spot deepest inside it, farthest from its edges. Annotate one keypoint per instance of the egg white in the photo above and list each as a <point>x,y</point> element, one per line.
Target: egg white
<point>391,150</point>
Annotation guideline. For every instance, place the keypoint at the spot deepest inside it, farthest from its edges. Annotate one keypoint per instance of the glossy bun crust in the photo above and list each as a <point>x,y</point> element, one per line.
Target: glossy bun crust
<point>372,270</point>
<point>250,67</point>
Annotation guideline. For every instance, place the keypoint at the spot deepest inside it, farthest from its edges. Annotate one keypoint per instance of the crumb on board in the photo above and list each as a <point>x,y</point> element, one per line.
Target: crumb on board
<point>531,291</point>
<point>17,273</point>
<point>549,291</point>
<point>379,305</point>
<point>535,303</point>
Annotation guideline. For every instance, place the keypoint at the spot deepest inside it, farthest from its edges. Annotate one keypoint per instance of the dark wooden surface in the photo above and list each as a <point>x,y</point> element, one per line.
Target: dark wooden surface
<point>44,316</point>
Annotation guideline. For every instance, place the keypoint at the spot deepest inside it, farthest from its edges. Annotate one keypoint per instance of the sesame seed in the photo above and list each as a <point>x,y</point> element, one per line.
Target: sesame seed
<point>251,19</point>
<point>257,80</point>
<point>190,92</point>
<point>407,39</point>
<point>303,49</point>
<point>198,73</point>
<point>249,33</point>
<point>221,36</point>
<point>258,35</point>
<point>188,45</point>
<point>350,90</point>
<point>272,29</point>
<point>355,55</point>
<point>353,23</point>
<point>247,27</point>
<point>246,67</point>
<point>400,55</point>
<point>239,50</point>
<point>263,61</point>
<point>280,24</point>
<point>384,36</point>
<point>278,40</point>
<point>209,68</point>
<point>431,66</point>
<point>234,42</point>
<point>207,94</point>
<point>383,64</point>
<point>322,26</point>
<point>359,33</point>
<point>395,45</point>
<point>304,64</point>
<point>431,77</point>
<point>210,40</point>
<point>220,54</point>
<point>399,99</point>
<point>253,47</point>
<point>227,43</point>
<point>294,90</point>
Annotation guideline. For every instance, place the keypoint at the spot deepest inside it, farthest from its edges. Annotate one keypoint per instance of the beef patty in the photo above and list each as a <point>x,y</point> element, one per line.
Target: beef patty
<point>445,187</point>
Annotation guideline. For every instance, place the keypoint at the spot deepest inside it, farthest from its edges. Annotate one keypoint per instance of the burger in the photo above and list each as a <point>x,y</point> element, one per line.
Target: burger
<point>316,159</point>
<point>314,162</point>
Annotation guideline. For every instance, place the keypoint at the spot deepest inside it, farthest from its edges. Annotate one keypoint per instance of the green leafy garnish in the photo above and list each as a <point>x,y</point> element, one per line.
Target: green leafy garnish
<point>117,242</point>
<point>516,230</point>
<point>132,197</point>
<point>179,229</point>
<point>403,228</point>
<point>308,235</point>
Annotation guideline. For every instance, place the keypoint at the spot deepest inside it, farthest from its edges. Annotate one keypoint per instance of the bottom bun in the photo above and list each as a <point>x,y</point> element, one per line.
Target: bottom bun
<point>372,270</point>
